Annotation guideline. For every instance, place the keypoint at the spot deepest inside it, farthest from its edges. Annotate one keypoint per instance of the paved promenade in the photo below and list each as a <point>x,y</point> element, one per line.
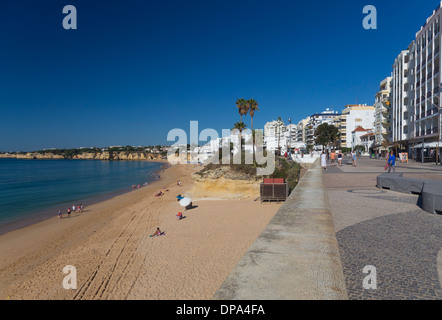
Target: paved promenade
<point>296,257</point>
<point>387,230</point>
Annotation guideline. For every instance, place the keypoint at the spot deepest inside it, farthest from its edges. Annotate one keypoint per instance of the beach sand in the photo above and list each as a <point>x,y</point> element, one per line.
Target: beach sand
<point>114,257</point>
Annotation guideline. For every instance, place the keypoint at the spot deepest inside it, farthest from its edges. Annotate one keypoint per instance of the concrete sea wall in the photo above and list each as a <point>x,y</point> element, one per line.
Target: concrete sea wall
<point>296,257</point>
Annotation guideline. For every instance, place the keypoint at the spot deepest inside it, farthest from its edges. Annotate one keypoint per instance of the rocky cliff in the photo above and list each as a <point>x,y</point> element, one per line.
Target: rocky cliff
<point>224,183</point>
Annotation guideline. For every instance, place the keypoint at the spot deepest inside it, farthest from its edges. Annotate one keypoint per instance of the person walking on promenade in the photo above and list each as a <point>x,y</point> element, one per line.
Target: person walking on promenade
<point>340,158</point>
<point>391,162</point>
<point>353,157</point>
<point>333,157</point>
<point>324,161</point>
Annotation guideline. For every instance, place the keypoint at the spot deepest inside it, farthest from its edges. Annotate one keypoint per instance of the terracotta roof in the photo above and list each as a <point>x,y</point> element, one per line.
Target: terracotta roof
<point>359,129</point>
<point>368,134</point>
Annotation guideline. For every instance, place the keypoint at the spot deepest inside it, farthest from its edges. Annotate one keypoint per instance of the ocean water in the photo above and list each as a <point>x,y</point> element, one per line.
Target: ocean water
<point>33,190</point>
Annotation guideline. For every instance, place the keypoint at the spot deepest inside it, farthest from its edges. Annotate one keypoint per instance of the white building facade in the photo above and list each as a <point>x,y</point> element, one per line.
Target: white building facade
<point>427,77</point>
<point>354,116</point>
<point>382,115</point>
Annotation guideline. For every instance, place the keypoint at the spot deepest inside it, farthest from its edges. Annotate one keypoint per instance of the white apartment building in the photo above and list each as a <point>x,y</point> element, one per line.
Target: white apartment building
<point>275,135</point>
<point>291,135</point>
<point>382,114</point>
<point>302,130</point>
<point>353,116</point>
<point>427,78</point>
<point>402,96</point>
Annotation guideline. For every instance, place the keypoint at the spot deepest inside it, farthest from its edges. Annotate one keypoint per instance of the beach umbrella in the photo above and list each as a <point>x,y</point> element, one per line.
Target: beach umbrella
<point>185,202</point>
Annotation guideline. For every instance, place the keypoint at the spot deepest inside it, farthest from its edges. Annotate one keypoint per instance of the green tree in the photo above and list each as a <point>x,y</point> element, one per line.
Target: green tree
<point>240,126</point>
<point>278,129</point>
<point>326,134</point>
<point>242,106</point>
<point>252,106</point>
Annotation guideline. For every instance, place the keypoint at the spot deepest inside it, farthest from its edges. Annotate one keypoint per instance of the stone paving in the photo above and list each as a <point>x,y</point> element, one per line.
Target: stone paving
<point>387,230</point>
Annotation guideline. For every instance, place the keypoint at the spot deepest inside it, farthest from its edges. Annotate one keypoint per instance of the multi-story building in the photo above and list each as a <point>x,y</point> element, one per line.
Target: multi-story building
<point>382,115</point>
<point>353,116</point>
<point>427,57</point>
<point>275,135</point>
<point>291,134</point>
<point>302,130</point>
<point>402,95</point>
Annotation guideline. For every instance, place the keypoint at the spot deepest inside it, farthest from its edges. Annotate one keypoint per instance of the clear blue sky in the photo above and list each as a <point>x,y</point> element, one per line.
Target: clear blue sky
<point>135,69</point>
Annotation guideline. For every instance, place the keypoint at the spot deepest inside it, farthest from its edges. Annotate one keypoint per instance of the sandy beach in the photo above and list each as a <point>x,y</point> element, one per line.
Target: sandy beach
<point>110,247</point>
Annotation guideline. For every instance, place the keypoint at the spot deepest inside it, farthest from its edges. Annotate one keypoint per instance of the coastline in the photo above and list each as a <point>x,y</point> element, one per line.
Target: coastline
<point>109,244</point>
<point>41,215</point>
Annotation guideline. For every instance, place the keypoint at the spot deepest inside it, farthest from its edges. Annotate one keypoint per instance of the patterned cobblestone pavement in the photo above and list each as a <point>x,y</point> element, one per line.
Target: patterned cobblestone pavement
<point>387,230</point>
<point>402,247</point>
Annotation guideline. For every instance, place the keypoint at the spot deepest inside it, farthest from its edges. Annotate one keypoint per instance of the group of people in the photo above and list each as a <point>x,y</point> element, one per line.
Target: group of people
<point>74,208</point>
<point>179,216</point>
<point>333,157</point>
<point>390,165</point>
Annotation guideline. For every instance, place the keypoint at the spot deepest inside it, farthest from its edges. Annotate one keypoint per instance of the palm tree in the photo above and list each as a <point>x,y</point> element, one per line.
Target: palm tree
<point>252,106</point>
<point>278,127</point>
<point>240,126</point>
<point>241,104</point>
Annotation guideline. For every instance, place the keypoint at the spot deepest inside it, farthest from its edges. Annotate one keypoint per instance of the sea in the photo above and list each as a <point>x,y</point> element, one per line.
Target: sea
<point>34,190</point>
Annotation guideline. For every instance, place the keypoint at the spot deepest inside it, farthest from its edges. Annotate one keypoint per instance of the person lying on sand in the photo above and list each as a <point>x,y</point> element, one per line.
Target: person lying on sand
<point>159,193</point>
<point>157,233</point>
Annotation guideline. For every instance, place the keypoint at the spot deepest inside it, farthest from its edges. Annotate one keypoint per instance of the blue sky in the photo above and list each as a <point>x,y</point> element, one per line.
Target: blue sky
<point>135,69</point>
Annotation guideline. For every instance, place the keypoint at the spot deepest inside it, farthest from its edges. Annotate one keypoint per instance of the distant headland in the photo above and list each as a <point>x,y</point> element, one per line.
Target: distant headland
<point>156,153</point>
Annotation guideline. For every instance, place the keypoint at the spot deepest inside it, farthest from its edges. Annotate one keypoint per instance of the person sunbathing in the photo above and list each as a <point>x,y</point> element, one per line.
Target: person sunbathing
<point>157,233</point>
<point>159,193</point>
